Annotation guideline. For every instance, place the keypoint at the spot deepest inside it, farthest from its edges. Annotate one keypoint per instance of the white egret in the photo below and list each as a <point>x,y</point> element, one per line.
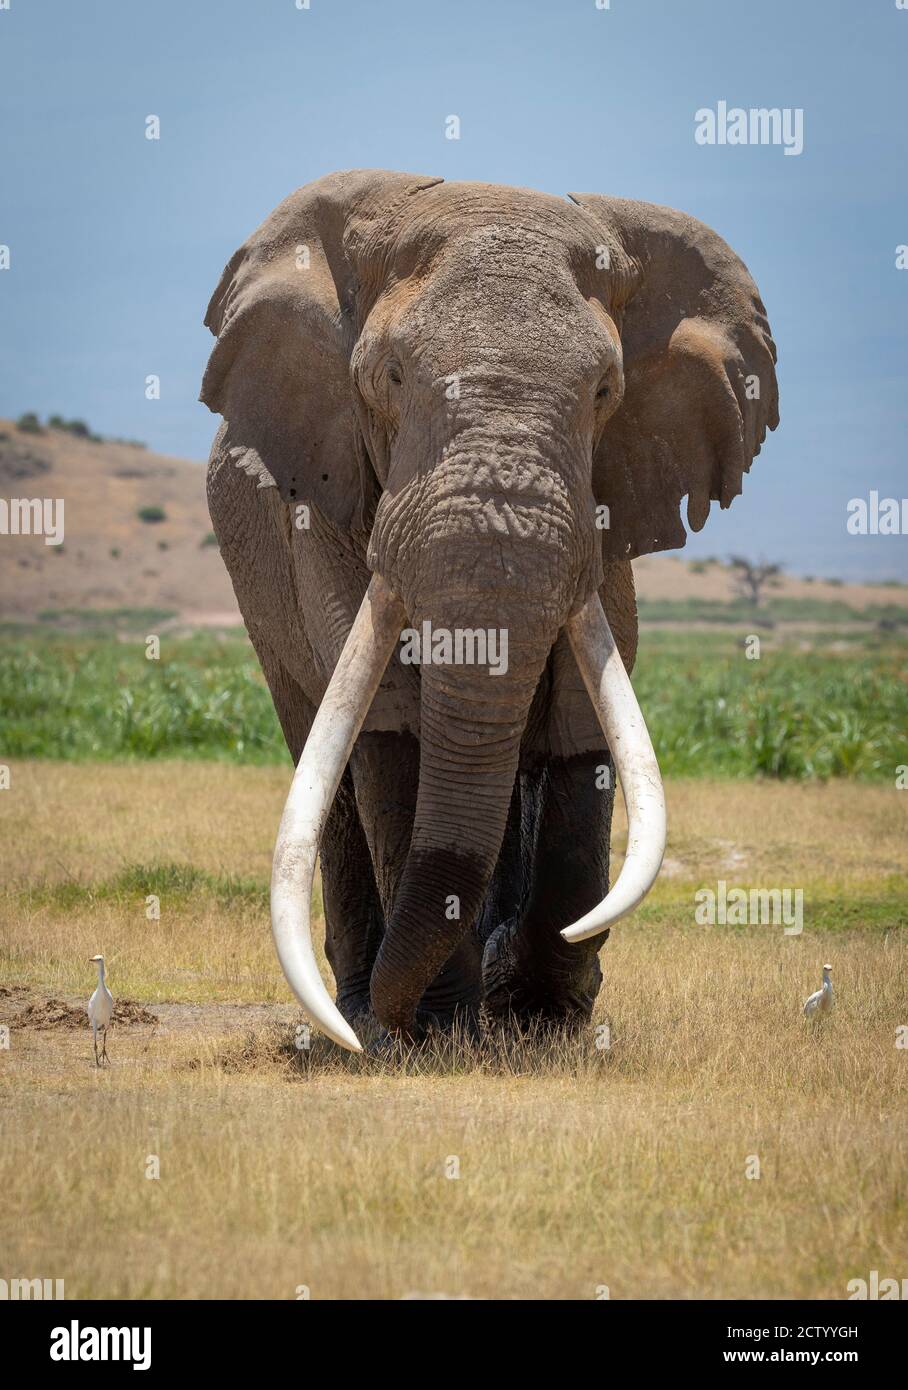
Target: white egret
<point>100,1011</point>
<point>821,1001</point>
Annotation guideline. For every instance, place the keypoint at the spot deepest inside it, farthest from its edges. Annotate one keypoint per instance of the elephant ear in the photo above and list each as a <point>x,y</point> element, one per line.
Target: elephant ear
<point>700,382</point>
<point>286,314</point>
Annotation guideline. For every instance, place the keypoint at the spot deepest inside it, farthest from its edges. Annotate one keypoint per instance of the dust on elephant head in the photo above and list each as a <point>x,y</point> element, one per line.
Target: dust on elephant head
<point>497,394</point>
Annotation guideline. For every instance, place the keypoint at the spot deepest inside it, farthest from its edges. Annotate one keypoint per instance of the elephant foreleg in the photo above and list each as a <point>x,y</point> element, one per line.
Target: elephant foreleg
<point>386,776</point>
<point>353,914</point>
<point>529,969</point>
<point>354,922</point>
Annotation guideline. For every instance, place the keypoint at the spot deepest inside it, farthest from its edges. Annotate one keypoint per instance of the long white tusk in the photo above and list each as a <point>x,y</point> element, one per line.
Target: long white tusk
<point>350,692</point>
<point>628,738</point>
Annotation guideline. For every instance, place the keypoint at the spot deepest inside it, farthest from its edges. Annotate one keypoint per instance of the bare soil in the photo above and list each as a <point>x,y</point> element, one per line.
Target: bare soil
<point>48,1014</point>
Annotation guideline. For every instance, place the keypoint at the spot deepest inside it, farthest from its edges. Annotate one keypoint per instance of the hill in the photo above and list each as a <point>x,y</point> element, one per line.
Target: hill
<point>110,557</point>
<point>113,559</point>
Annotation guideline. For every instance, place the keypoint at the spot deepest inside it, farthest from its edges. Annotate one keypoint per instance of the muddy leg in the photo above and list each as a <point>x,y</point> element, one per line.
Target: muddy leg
<point>533,971</point>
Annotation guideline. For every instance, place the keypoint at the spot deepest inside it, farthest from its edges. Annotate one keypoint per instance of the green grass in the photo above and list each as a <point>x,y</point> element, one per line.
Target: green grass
<point>82,697</point>
<point>878,914</point>
<point>792,713</point>
<point>774,610</point>
<point>177,883</point>
<point>102,621</point>
<point>824,711</point>
<point>183,887</point>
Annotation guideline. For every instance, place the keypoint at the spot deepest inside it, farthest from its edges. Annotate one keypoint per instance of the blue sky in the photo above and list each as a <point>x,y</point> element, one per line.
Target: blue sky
<point>117,241</point>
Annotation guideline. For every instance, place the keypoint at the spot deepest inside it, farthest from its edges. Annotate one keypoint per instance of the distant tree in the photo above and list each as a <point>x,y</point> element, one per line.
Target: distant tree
<point>74,427</point>
<point>209,539</point>
<point>751,579</point>
<point>151,515</point>
<point>29,423</point>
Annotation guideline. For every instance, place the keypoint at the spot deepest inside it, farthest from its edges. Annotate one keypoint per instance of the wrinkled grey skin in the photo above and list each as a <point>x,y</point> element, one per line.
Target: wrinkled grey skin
<point>451,378</point>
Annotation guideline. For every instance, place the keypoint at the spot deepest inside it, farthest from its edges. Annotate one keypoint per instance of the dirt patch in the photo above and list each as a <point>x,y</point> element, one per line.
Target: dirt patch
<point>51,1014</point>
<point>221,1018</point>
<point>130,1013</point>
<point>274,1047</point>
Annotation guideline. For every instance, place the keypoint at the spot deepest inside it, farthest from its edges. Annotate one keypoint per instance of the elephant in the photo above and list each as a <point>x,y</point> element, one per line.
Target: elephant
<point>458,408</point>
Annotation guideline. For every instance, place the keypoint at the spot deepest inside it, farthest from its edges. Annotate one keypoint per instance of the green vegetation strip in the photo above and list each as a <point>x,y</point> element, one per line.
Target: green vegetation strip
<point>177,883</point>
<point>879,913</point>
<point>182,885</point>
<point>794,713</point>
<point>775,610</point>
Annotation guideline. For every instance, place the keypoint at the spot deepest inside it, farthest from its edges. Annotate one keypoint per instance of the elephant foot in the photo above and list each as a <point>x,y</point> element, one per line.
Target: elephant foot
<point>355,1005</point>
<point>431,1031</point>
<point>452,1001</point>
<point>527,983</point>
<point>462,1023</point>
<point>387,1047</point>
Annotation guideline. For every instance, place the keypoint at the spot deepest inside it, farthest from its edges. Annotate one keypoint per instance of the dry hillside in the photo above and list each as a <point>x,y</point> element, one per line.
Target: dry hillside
<point>111,558</point>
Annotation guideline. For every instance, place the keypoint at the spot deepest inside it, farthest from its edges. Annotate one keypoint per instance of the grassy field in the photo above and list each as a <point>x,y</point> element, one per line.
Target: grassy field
<point>892,616</point>
<point>808,707</point>
<point>579,1168</point>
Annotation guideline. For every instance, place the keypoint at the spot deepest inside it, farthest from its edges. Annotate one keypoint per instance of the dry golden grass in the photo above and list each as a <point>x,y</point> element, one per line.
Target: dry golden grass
<point>578,1167</point>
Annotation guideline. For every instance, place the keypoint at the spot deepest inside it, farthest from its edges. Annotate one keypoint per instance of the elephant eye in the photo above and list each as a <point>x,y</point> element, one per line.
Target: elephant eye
<point>394,374</point>
<point>603,391</point>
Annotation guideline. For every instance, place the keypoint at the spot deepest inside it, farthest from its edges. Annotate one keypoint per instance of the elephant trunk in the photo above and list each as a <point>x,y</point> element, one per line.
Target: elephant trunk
<point>470,733</point>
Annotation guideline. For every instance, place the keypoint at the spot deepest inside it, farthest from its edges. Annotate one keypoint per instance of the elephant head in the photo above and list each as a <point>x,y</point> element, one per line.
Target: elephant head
<point>471,380</point>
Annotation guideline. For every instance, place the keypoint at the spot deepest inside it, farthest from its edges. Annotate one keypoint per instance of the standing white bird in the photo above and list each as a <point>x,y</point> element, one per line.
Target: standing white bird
<point>821,1001</point>
<point>100,1011</point>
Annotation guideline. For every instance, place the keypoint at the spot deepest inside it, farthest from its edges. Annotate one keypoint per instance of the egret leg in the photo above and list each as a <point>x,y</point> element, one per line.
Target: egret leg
<point>94,1035</point>
<point>104,1056</point>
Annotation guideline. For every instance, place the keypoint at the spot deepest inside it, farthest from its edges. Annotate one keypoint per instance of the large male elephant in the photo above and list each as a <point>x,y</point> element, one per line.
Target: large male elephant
<point>461,410</point>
